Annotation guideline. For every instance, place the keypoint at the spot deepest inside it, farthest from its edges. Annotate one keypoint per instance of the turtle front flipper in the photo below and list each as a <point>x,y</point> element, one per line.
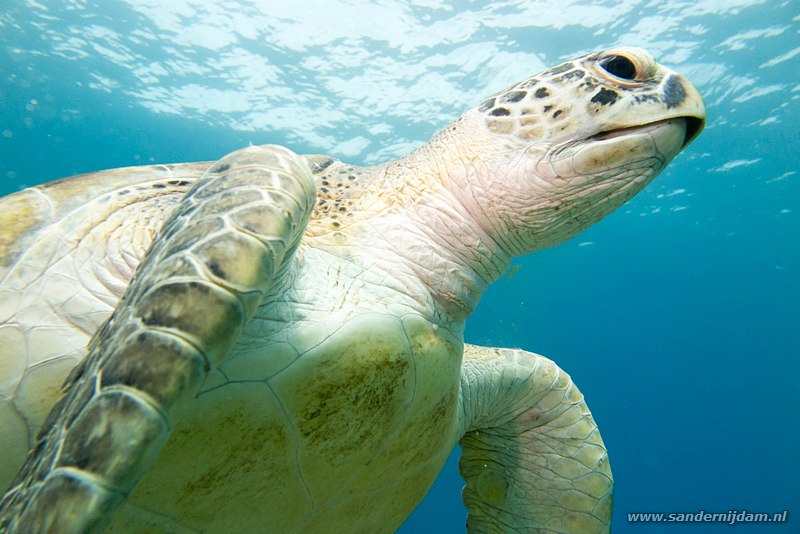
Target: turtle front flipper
<point>532,456</point>
<point>222,250</point>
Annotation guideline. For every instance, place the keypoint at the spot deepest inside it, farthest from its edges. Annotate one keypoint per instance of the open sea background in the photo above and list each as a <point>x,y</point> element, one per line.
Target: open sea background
<point>678,316</point>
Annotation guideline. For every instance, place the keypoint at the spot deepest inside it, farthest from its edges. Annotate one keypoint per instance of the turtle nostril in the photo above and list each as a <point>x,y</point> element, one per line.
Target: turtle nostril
<point>619,66</point>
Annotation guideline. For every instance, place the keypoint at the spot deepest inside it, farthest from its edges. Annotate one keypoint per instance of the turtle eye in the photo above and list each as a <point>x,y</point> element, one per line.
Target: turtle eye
<point>619,66</point>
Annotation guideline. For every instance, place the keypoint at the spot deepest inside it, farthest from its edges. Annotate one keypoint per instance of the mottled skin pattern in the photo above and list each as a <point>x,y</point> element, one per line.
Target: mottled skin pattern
<point>275,342</point>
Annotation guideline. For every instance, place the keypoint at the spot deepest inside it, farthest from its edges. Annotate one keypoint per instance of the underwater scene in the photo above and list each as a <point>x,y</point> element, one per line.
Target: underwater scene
<point>677,316</point>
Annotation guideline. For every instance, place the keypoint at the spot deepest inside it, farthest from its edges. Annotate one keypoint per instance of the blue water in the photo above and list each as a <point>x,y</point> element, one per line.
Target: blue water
<point>678,316</point>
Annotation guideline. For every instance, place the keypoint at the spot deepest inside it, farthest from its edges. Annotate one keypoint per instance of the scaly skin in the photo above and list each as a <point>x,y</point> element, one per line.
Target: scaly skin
<point>346,385</point>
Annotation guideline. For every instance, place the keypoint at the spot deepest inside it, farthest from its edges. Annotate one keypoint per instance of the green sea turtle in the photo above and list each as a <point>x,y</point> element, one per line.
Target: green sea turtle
<point>277,340</point>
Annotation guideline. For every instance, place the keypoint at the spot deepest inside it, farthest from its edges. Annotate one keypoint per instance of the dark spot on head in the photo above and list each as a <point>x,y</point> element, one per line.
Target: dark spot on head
<point>322,165</point>
<point>351,177</point>
<point>590,82</point>
<point>512,96</point>
<point>542,92</point>
<point>486,104</point>
<point>646,98</point>
<point>605,97</point>
<point>575,74</point>
<point>547,108</point>
<point>324,182</point>
<point>323,189</point>
<point>558,69</point>
<point>159,186</point>
<point>674,92</point>
<point>124,192</point>
<point>527,84</point>
<point>342,209</point>
<point>500,112</point>
<point>336,224</point>
<point>557,113</point>
<point>220,167</point>
<point>178,182</point>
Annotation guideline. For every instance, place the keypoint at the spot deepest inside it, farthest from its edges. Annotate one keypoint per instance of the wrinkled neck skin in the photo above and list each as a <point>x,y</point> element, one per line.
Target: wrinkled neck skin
<point>421,221</point>
<point>401,224</point>
<point>439,236</point>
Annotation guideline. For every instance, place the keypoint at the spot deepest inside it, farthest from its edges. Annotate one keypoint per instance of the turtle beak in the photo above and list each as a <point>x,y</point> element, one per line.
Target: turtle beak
<point>680,96</point>
<point>693,126</point>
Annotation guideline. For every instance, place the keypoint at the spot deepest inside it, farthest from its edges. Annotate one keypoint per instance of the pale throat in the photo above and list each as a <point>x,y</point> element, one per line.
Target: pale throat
<point>432,231</point>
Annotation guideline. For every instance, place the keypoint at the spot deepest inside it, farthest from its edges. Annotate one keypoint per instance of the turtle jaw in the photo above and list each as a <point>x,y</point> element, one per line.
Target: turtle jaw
<point>611,152</point>
<point>693,126</point>
<point>575,184</point>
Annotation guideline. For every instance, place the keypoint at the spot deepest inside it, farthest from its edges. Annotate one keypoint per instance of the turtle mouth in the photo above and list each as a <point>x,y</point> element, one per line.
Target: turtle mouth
<point>692,125</point>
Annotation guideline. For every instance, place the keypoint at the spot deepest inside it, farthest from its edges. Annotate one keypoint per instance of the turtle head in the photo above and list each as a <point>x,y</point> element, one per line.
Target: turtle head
<point>546,158</point>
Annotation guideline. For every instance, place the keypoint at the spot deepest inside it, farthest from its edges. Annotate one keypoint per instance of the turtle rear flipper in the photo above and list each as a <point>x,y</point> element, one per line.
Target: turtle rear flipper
<point>222,250</point>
